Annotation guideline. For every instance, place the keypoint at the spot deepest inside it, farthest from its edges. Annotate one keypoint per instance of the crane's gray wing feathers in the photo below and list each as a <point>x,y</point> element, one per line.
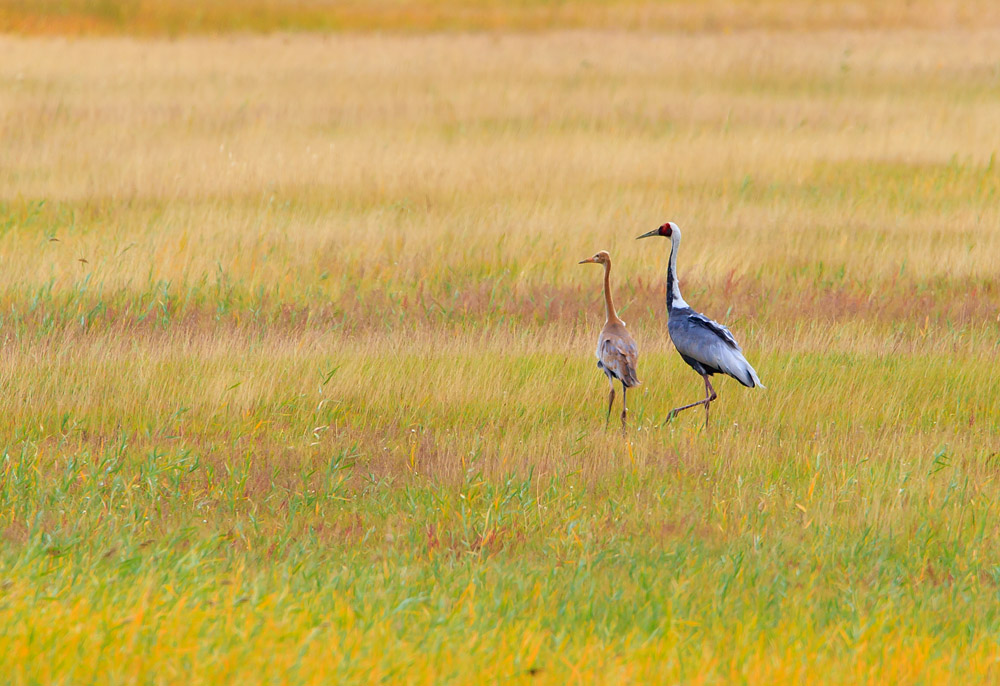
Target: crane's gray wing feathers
<point>619,357</point>
<point>715,327</point>
<point>712,344</point>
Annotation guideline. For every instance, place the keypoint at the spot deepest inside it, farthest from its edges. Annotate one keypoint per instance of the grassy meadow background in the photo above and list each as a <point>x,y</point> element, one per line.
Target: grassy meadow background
<point>296,359</point>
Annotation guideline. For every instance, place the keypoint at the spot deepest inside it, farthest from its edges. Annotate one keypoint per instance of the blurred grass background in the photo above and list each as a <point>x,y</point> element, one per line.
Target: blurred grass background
<point>175,17</point>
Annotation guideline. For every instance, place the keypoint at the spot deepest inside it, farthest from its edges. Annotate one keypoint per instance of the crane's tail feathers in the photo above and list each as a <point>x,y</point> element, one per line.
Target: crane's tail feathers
<point>746,375</point>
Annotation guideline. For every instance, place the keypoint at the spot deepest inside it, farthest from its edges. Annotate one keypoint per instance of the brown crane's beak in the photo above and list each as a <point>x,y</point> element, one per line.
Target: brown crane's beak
<point>654,232</point>
<point>589,259</point>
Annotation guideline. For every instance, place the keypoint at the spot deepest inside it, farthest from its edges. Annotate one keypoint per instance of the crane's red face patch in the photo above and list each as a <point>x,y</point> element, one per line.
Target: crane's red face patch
<point>665,230</point>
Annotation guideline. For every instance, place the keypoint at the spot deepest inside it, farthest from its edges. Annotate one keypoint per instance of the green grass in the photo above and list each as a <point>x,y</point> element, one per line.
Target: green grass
<point>810,568</point>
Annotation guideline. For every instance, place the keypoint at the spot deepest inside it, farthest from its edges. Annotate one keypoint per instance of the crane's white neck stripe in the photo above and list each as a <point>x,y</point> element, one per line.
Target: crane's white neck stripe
<point>675,287</point>
<point>677,300</point>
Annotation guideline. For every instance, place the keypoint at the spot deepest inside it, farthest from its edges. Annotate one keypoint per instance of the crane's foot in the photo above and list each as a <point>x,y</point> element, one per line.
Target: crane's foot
<point>677,410</point>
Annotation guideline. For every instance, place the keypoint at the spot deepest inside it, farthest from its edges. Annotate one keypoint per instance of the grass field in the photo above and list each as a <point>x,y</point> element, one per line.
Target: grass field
<point>297,381</point>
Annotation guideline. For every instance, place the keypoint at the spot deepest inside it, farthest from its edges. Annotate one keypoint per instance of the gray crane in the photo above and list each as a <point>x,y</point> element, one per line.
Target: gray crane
<point>617,354</point>
<point>707,346</point>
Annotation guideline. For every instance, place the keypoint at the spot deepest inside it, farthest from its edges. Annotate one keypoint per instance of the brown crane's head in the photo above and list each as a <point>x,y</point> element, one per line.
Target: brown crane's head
<point>667,231</point>
<point>600,258</point>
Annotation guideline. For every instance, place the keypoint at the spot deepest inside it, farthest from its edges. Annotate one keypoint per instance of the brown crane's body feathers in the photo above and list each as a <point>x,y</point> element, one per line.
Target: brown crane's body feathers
<point>617,354</point>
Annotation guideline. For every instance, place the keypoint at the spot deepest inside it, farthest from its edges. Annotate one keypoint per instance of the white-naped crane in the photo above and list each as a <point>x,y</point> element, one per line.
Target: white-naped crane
<point>617,354</point>
<point>707,346</point>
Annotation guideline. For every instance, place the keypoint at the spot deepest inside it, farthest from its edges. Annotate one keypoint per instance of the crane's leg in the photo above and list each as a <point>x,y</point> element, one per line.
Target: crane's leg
<point>709,397</point>
<point>624,405</point>
<point>611,400</point>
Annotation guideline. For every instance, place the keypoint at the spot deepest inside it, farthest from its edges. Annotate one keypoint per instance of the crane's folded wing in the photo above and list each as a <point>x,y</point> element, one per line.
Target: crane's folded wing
<point>620,357</point>
<point>699,338</point>
<point>715,327</point>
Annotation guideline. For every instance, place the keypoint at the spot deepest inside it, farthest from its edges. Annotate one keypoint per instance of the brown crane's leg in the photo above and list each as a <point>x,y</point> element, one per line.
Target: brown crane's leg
<point>709,397</point>
<point>611,400</point>
<point>624,406</point>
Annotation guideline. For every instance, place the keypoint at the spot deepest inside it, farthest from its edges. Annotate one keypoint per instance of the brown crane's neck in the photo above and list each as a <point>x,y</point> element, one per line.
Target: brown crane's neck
<point>609,304</point>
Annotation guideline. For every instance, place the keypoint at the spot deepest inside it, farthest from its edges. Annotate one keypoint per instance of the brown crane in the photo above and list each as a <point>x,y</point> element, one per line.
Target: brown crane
<point>617,354</point>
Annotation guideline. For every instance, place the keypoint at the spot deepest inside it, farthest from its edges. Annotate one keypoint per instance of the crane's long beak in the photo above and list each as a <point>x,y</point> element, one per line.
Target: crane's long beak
<point>589,259</point>
<point>654,232</point>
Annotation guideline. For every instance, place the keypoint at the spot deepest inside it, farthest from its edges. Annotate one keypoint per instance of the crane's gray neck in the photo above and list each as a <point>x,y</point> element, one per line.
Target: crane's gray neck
<point>674,299</point>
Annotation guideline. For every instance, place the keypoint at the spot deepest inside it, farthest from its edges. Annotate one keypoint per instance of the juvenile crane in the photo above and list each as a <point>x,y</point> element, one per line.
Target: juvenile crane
<point>617,354</point>
<point>707,346</point>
